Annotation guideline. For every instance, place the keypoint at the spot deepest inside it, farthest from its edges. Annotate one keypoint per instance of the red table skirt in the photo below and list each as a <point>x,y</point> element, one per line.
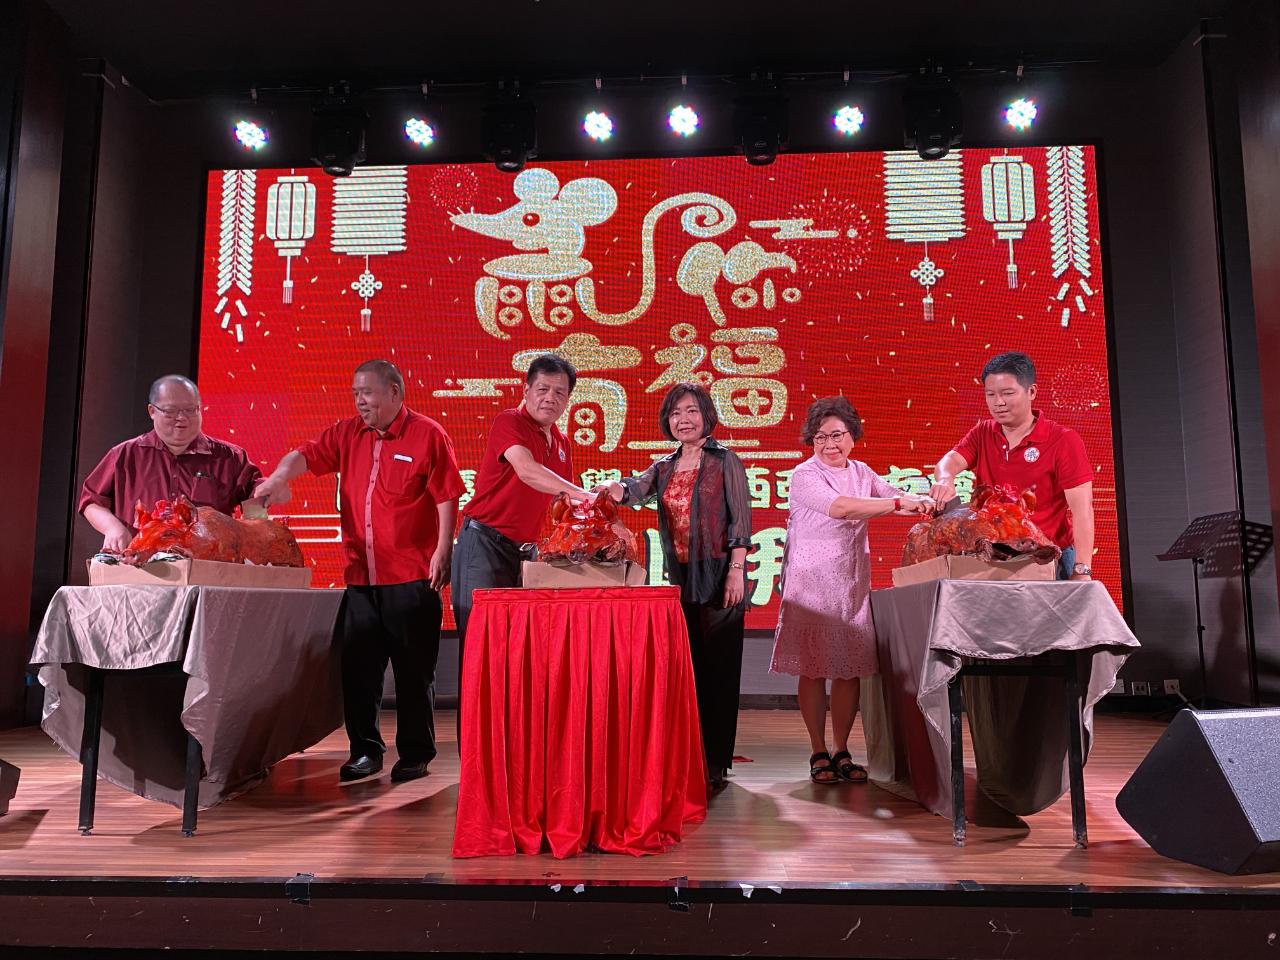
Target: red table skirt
<point>580,723</point>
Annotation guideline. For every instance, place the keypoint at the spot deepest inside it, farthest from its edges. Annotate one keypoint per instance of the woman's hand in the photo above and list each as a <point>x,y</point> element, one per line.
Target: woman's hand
<point>911,503</point>
<point>611,488</point>
<point>735,587</point>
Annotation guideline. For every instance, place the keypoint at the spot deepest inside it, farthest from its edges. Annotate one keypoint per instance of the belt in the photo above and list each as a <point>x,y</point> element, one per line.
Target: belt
<point>487,531</point>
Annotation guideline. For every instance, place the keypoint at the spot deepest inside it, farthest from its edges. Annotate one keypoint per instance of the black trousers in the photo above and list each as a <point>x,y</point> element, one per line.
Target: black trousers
<point>482,558</point>
<point>401,623</point>
<point>715,642</point>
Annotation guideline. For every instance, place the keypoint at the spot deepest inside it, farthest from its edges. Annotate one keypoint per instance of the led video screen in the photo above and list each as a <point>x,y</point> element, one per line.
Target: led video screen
<point>879,276</point>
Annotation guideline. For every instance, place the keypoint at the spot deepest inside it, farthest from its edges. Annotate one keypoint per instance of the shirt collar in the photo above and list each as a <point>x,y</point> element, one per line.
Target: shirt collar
<point>710,446</point>
<point>1040,427</point>
<point>396,427</point>
<point>200,445</point>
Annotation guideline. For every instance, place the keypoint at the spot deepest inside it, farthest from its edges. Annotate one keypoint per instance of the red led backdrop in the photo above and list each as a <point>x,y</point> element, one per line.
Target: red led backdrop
<point>880,276</point>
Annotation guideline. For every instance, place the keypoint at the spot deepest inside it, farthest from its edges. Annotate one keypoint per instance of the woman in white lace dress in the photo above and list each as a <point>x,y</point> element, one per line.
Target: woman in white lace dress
<point>824,624</point>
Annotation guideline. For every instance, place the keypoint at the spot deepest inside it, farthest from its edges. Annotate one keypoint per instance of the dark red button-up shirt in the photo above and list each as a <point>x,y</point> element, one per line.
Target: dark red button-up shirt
<point>390,484</point>
<point>502,500</point>
<point>209,473</point>
<point>1048,461</point>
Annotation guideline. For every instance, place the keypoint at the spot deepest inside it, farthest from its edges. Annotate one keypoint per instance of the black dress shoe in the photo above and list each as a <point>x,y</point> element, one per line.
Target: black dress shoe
<point>357,768</point>
<point>404,770</point>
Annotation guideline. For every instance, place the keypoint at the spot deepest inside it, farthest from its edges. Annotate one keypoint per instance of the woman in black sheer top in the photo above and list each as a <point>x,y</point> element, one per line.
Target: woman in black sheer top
<point>704,522</point>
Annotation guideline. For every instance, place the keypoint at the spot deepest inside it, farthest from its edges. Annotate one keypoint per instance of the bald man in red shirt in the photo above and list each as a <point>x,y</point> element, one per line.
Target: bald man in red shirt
<point>400,487</point>
<point>1021,447</point>
<point>175,458</point>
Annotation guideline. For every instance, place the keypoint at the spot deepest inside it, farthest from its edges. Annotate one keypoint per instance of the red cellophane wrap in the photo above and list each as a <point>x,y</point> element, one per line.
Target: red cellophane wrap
<point>995,526</point>
<point>203,533</point>
<point>576,533</point>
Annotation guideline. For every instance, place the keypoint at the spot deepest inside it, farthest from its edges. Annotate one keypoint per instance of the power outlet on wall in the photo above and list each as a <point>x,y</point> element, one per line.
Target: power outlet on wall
<point>1172,687</point>
<point>1140,688</point>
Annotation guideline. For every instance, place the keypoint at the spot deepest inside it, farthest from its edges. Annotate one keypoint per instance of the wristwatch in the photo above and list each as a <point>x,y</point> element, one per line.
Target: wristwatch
<point>1081,570</point>
<point>736,566</point>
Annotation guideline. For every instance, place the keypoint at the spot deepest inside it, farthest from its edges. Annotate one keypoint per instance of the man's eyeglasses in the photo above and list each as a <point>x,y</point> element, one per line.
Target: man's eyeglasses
<point>835,435</point>
<point>178,413</point>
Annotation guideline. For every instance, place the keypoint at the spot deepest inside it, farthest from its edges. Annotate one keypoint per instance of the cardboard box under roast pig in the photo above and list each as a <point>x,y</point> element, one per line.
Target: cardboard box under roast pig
<point>208,573</point>
<point>554,576</point>
<point>972,568</point>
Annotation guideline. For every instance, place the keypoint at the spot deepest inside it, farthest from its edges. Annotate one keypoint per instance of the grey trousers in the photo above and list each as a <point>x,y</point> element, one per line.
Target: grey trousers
<point>483,558</point>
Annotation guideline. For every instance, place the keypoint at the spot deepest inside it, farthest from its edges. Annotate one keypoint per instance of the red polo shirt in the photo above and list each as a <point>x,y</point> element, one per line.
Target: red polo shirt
<point>390,484</point>
<point>209,473</point>
<point>501,499</point>
<point>1049,460</point>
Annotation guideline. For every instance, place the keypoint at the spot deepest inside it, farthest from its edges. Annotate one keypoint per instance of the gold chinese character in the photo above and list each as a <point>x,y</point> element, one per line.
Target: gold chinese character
<point>766,562</point>
<point>907,479</point>
<point>758,486</point>
<point>783,486</point>
<point>469,481</point>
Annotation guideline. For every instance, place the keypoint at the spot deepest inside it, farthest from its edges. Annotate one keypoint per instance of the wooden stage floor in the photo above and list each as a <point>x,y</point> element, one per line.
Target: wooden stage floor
<point>771,825</point>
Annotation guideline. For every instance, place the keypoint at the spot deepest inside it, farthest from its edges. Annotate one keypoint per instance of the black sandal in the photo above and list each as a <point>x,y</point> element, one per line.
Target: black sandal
<point>816,771</point>
<point>847,770</point>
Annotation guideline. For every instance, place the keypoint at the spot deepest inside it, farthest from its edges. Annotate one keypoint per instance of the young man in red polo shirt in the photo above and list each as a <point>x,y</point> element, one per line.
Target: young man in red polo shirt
<point>175,458</point>
<point>1023,448</point>
<point>399,499</point>
<point>527,461</point>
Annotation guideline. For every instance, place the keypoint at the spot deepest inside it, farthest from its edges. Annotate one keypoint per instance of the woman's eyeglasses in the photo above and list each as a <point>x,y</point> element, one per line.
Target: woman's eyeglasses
<point>835,435</point>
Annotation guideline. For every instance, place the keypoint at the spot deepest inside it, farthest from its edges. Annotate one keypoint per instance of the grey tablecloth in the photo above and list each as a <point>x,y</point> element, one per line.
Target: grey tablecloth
<point>1018,724</point>
<point>252,674</point>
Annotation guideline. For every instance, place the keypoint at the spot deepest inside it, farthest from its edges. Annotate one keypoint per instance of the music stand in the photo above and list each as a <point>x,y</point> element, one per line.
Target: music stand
<point>1194,544</point>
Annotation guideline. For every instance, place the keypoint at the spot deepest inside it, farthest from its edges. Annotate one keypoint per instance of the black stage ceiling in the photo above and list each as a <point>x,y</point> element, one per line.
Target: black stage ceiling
<point>174,50</point>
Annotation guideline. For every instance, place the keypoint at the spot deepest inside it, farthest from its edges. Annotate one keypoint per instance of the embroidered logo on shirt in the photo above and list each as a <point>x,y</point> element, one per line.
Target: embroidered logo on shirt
<point>1031,455</point>
<point>562,456</point>
<point>401,457</point>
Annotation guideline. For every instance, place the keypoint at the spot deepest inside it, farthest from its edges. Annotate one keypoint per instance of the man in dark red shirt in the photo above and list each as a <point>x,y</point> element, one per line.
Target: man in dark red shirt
<point>1021,447</point>
<point>173,458</point>
<point>399,494</point>
<point>526,462</point>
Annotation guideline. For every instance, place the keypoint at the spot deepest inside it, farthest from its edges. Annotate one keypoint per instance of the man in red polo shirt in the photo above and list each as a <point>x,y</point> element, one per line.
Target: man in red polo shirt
<point>1023,448</point>
<point>527,461</point>
<point>399,499</point>
<point>173,459</point>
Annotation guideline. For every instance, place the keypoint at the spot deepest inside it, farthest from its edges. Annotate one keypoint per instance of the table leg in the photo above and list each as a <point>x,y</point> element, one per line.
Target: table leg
<point>1075,757</point>
<point>90,736</point>
<point>955,698</point>
<point>191,797</point>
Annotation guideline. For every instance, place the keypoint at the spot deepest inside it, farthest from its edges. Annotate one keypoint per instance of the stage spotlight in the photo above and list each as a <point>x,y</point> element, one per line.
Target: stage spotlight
<point>1021,114</point>
<point>848,120</point>
<point>250,135</point>
<point>683,120</point>
<point>419,131</point>
<point>931,110</point>
<point>597,126</point>
<point>510,134</point>
<point>762,127</point>
<point>337,134</point>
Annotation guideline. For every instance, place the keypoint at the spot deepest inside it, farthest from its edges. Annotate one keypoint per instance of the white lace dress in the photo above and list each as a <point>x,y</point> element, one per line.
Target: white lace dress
<point>824,624</point>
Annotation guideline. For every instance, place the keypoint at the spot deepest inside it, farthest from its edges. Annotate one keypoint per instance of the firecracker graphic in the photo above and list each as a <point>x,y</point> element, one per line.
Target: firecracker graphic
<point>923,203</point>
<point>1008,203</point>
<point>369,220</point>
<point>235,248</point>
<point>291,221</point>
<point>1069,225</point>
